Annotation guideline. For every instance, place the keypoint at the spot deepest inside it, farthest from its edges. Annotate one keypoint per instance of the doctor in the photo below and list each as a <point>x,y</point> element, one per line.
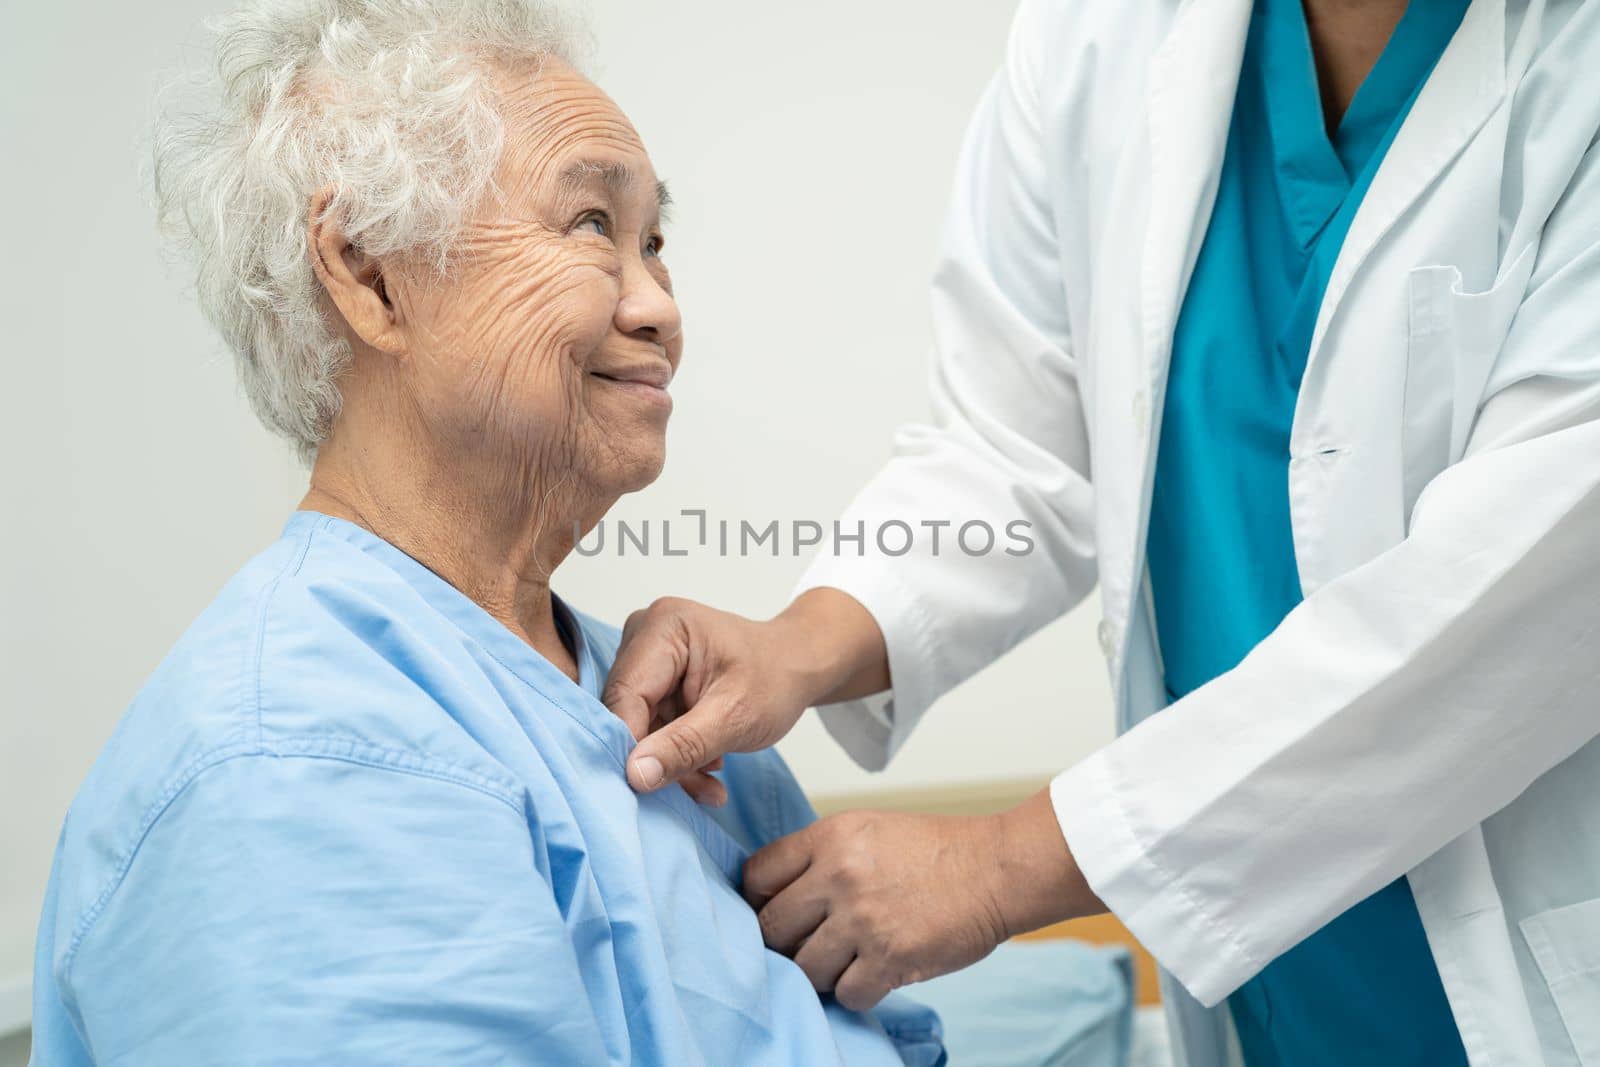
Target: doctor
<point>1282,323</point>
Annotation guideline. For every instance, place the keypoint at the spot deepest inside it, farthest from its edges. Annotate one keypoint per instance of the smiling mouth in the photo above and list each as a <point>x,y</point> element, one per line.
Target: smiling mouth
<point>625,381</point>
<point>647,390</point>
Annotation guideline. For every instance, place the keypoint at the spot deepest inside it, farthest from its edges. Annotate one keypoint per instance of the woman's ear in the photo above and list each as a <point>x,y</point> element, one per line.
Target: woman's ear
<point>353,280</point>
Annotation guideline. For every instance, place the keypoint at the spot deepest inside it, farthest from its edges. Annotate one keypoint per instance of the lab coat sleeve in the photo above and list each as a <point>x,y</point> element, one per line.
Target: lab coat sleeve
<point>1400,704</point>
<point>1007,446</point>
<point>304,910</point>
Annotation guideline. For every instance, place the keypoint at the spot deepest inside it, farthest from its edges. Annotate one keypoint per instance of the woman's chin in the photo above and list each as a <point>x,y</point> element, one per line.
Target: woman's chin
<point>637,470</point>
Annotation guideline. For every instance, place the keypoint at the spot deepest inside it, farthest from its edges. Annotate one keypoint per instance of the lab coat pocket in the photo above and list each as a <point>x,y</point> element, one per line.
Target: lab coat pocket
<point>1455,337</point>
<point>1565,943</point>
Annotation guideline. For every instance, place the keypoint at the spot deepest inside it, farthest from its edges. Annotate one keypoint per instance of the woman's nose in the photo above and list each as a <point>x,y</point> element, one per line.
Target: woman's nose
<point>647,307</point>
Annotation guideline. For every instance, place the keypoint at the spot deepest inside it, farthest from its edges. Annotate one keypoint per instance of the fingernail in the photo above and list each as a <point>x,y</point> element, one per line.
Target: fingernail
<point>647,769</point>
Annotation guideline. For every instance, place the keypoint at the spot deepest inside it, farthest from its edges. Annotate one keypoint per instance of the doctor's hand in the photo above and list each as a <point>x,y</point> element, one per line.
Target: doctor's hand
<point>867,901</point>
<point>692,683</point>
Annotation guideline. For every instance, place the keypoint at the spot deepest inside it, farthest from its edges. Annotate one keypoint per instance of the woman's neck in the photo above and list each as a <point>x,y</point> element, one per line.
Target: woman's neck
<point>495,541</point>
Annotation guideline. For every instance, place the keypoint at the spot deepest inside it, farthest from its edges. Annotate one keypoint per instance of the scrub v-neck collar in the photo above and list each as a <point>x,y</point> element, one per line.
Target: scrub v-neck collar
<point>1322,171</point>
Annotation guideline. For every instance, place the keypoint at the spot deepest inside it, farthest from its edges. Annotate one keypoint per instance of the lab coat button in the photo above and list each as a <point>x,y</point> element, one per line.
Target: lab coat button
<point>1104,635</point>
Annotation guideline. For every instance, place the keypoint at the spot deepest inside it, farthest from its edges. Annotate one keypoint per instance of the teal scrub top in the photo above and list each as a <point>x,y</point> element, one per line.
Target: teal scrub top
<point>1364,988</point>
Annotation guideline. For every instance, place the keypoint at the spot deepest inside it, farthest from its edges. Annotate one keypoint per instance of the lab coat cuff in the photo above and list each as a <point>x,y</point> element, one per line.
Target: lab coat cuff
<point>1176,924</point>
<point>863,728</point>
<point>872,729</point>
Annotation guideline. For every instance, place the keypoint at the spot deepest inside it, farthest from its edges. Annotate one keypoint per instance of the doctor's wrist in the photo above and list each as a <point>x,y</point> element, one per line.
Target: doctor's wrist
<point>1035,881</point>
<point>830,647</point>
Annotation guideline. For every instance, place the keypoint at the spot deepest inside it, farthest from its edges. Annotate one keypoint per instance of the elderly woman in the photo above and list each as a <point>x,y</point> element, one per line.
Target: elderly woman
<point>370,809</point>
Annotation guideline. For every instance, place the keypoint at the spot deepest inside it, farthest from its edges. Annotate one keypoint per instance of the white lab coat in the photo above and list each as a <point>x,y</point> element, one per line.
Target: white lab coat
<point>1430,709</point>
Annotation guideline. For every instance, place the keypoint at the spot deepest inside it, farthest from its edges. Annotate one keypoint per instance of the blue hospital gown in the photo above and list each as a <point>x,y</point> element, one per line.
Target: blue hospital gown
<point>353,819</point>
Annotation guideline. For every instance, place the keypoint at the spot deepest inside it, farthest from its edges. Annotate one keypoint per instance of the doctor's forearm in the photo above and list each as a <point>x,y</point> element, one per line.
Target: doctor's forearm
<point>833,646</point>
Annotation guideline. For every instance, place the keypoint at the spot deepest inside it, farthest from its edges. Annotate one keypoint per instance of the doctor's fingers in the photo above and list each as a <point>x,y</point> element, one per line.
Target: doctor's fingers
<point>825,955</point>
<point>646,676</point>
<point>721,720</point>
<point>861,986</point>
<point>796,914</point>
<point>773,868</point>
<point>704,787</point>
<point>699,783</point>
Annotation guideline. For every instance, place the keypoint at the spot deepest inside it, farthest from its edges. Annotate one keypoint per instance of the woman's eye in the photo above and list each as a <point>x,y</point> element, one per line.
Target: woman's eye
<point>652,247</point>
<point>595,224</point>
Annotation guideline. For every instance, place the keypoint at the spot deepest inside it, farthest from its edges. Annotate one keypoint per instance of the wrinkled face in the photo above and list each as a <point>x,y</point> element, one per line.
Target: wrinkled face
<point>548,348</point>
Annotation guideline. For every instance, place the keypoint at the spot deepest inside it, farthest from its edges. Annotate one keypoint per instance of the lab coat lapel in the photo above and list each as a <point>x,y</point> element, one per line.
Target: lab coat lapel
<point>1465,88</point>
<point>1193,77</point>
<point>1189,103</point>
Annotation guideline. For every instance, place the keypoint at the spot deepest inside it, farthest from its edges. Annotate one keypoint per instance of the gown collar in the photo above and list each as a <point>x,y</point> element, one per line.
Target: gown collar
<point>579,699</point>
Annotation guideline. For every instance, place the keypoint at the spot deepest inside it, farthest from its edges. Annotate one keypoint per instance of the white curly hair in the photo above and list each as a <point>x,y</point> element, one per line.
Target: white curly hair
<point>389,102</point>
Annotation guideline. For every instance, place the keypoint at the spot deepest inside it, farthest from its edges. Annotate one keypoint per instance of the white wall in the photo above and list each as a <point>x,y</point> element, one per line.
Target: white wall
<point>809,147</point>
